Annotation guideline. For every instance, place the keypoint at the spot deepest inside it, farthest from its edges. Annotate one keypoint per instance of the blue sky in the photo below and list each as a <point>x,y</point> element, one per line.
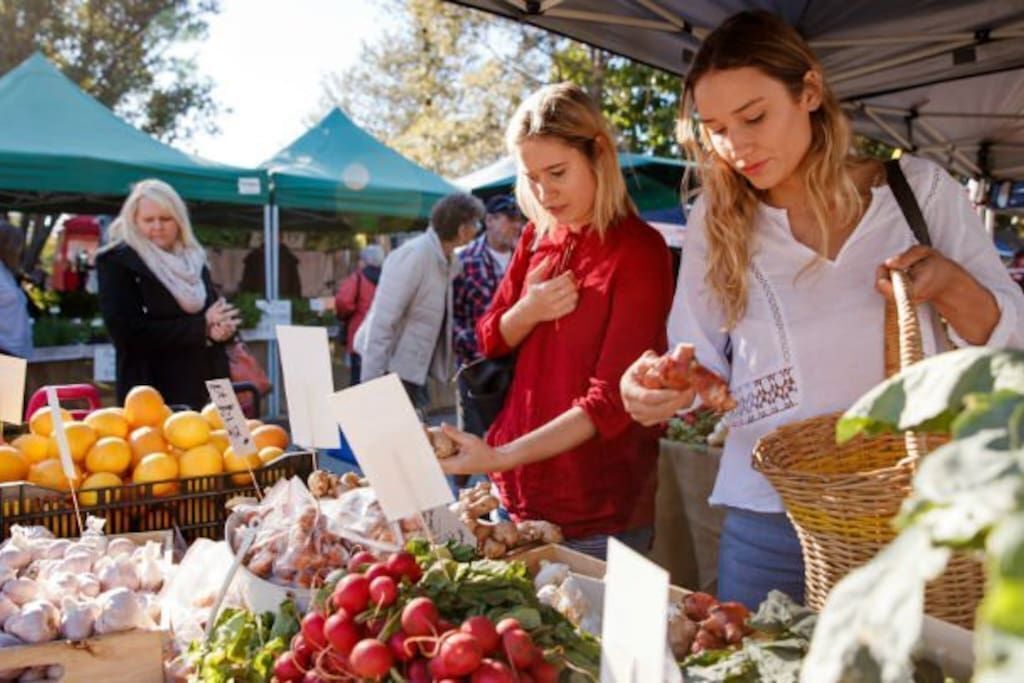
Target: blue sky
<point>267,59</point>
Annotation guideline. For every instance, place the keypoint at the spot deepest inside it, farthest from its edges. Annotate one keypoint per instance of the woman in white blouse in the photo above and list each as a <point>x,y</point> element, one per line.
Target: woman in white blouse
<point>785,272</point>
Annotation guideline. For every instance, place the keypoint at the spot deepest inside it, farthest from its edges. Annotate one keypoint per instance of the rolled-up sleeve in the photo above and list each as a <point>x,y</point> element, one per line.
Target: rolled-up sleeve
<point>957,232</point>
<point>640,300</point>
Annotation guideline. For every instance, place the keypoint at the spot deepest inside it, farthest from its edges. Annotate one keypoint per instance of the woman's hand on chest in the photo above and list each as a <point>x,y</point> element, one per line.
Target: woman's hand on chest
<point>549,298</point>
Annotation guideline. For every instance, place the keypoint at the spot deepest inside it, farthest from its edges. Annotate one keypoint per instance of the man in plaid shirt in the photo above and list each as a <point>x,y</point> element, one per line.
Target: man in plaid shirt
<point>483,264</point>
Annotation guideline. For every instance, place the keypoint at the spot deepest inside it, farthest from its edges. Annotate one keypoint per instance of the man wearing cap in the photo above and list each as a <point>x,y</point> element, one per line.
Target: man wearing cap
<point>483,264</point>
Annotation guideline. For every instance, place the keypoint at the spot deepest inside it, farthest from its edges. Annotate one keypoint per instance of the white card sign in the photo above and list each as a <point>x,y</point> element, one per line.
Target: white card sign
<point>633,633</point>
<point>12,388</point>
<point>104,363</point>
<point>388,440</point>
<point>445,526</point>
<point>224,399</point>
<point>308,381</point>
<point>274,314</point>
<point>66,463</point>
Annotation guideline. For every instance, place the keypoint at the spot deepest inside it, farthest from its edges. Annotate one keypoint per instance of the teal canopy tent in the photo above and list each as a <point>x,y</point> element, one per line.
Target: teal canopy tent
<point>61,150</point>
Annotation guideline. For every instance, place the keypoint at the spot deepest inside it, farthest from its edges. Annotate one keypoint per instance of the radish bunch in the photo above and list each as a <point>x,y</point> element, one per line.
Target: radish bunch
<point>373,626</point>
<point>720,624</point>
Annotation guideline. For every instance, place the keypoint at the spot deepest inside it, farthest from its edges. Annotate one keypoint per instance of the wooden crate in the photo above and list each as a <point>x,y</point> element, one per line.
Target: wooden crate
<point>128,657</point>
<point>579,563</point>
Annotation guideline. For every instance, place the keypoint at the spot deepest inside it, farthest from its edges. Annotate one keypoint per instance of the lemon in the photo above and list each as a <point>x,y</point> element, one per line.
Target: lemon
<point>32,446</point>
<point>48,473</point>
<point>99,480</point>
<point>13,465</point>
<point>238,463</point>
<point>81,437</point>
<point>200,461</point>
<point>146,440</point>
<point>212,415</point>
<point>219,440</point>
<point>110,454</point>
<point>269,454</point>
<point>41,422</point>
<point>144,406</point>
<point>186,429</point>
<point>157,467</point>
<point>108,422</point>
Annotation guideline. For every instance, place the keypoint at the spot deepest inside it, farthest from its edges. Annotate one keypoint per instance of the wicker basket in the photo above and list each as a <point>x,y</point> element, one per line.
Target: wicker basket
<point>842,498</point>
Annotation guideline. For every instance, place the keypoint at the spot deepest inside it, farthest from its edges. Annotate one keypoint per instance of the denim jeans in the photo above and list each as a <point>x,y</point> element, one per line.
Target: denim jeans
<point>638,539</point>
<point>758,552</point>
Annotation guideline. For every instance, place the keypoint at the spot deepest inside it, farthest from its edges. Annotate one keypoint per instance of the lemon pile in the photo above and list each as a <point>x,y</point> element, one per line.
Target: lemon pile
<point>143,442</point>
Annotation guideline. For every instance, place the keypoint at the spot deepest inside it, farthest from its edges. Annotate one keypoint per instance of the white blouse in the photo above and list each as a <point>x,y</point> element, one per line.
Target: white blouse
<point>813,344</point>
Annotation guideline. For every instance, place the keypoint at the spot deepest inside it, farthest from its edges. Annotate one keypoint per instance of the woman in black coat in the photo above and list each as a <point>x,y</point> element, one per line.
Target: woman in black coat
<point>168,325</point>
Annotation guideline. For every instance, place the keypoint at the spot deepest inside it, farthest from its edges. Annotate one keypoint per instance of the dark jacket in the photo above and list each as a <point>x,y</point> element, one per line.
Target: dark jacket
<point>157,343</point>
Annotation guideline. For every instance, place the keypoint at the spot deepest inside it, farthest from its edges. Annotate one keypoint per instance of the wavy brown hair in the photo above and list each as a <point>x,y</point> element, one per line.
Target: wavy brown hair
<point>564,112</point>
<point>764,42</point>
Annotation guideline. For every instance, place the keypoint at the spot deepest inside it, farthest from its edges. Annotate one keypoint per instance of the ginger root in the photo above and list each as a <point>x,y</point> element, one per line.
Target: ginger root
<point>442,444</point>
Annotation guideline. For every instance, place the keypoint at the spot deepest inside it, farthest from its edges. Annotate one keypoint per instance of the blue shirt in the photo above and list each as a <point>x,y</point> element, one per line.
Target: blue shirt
<point>15,332</point>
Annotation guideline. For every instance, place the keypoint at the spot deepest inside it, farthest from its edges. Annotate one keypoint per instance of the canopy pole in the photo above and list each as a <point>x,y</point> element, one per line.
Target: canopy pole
<point>271,252</point>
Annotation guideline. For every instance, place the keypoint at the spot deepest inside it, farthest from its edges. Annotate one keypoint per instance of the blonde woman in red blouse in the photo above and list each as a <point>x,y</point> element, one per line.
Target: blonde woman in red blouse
<point>588,289</point>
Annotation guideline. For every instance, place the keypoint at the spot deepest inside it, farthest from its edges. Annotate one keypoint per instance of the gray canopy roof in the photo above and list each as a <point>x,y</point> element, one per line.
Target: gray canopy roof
<point>944,75</point>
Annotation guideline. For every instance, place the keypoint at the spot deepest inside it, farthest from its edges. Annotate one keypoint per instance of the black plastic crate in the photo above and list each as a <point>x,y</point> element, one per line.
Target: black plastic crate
<point>196,509</point>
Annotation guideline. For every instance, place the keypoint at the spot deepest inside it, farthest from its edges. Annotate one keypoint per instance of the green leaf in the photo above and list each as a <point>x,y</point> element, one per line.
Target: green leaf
<point>986,411</point>
<point>930,394</point>
<point>875,612</point>
<point>778,614</point>
<point>965,487</point>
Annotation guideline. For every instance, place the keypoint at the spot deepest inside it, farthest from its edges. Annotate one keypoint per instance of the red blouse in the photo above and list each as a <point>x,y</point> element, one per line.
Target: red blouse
<point>606,485</point>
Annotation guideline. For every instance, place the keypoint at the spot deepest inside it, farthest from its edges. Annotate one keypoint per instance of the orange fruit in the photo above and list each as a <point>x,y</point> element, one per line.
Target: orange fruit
<point>48,473</point>
<point>200,461</point>
<point>13,464</point>
<point>270,435</point>
<point>108,422</point>
<point>41,422</point>
<point>186,429</point>
<point>269,454</point>
<point>212,415</point>
<point>219,439</point>
<point>81,437</point>
<point>32,446</point>
<point>253,423</point>
<point>99,480</point>
<point>238,463</point>
<point>109,454</point>
<point>146,440</point>
<point>144,406</point>
<point>157,467</point>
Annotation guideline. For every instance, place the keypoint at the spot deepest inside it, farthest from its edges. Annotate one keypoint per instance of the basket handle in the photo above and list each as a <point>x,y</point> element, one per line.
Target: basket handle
<point>903,345</point>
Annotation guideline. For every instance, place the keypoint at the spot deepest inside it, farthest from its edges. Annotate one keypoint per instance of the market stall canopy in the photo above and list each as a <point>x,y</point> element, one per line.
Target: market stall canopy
<point>339,168</point>
<point>61,150</point>
<point>653,182</point>
<point>871,50</point>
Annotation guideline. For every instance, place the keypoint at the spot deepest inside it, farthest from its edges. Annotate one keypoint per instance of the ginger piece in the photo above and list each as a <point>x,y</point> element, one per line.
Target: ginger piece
<point>323,484</point>
<point>506,533</point>
<point>442,444</point>
<point>534,530</point>
<point>493,550</point>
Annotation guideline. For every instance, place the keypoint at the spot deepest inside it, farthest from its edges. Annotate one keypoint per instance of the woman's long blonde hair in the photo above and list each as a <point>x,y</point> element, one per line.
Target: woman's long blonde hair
<point>764,42</point>
<point>564,112</point>
<point>125,229</point>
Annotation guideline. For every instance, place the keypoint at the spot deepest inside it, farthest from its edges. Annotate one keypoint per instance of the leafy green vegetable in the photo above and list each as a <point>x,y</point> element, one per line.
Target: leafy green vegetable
<point>243,646</point>
<point>930,394</point>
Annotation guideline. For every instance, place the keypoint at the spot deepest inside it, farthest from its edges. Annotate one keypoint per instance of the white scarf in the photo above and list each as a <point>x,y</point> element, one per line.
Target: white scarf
<point>180,271</point>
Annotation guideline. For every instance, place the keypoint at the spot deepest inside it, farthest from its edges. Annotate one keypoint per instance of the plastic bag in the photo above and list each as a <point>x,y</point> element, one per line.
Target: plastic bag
<point>188,596</point>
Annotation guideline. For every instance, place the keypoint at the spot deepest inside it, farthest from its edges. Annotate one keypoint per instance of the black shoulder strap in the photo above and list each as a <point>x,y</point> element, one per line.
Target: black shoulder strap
<point>907,201</point>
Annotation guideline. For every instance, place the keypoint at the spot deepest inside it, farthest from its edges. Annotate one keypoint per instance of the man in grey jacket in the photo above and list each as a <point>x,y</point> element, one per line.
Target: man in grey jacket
<point>408,329</point>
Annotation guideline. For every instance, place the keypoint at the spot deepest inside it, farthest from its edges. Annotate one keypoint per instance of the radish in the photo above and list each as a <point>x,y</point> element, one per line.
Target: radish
<point>518,647</point>
<point>286,668</point>
<point>313,631</point>
<point>418,672</point>
<point>419,618</point>
<point>370,658</point>
<point>358,562</point>
<point>543,671</point>
<point>383,591</point>
<point>401,651</point>
<point>437,668</point>
<point>525,677</point>
<point>375,570</point>
<point>374,627</point>
<point>492,671</point>
<point>483,630</point>
<point>342,632</point>
<point>507,624</point>
<point>461,654</point>
<point>303,651</point>
<point>403,564</point>
<point>352,594</point>
<point>444,626</point>
<point>312,677</point>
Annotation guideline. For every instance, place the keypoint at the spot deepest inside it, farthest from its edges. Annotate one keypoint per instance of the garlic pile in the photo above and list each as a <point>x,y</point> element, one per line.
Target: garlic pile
<point>72,589</point>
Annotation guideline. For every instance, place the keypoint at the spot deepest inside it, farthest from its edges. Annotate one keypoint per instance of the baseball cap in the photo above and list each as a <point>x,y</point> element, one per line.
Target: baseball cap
<point>504,203</point>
